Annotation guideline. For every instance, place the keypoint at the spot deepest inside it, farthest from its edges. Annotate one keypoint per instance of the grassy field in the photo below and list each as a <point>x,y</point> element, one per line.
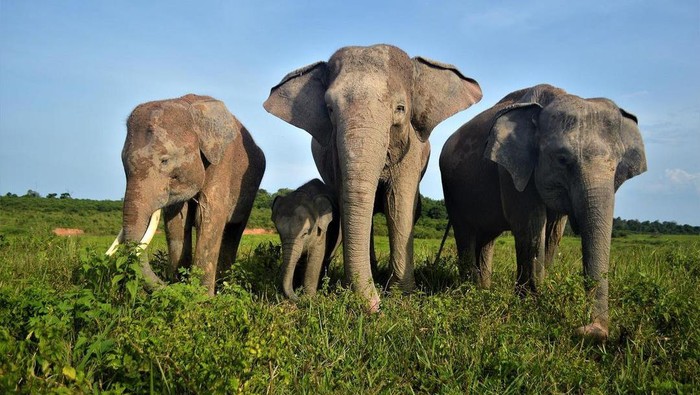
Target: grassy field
<point>72,320</point>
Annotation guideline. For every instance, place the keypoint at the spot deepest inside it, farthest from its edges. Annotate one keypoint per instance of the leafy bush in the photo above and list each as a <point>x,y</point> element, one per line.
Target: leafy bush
<point>75,321</point>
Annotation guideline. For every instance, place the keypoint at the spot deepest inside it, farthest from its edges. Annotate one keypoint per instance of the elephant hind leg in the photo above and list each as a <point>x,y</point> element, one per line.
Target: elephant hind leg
<point>231,239</point>
<point>465,239</point>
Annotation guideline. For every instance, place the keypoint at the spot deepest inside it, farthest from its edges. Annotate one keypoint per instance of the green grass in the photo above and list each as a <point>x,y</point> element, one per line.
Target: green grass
<point>72,320</point>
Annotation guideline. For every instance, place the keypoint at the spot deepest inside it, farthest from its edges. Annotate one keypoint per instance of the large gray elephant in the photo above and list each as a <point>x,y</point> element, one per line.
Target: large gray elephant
<point>308,222</point>
<point>373,108</point>
<point>540,153</point>
<point>192,158</point>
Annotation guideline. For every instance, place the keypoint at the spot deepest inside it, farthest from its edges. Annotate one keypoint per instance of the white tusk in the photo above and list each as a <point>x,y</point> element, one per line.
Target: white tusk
<point>145,240</point>
<point>151,230</point>
<point>115,243</point>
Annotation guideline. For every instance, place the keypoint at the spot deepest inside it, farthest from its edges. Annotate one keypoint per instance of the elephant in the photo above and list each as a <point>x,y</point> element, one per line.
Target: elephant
<point>192,158</point>
<point>308,222</point>
<point>373,109</point>
<point>536,157</point>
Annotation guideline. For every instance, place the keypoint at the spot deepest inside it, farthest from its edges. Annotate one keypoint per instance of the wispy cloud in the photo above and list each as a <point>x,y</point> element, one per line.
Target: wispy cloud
<point>680,178</point>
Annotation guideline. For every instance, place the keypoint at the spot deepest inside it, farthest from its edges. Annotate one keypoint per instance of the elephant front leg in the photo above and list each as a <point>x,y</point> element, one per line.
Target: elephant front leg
<point>229,247</point>
<point>314,266</point>
<point>178,231</point>
<point>484,259</point>
<point>400,209</point>
<point>527,217</point>
<point>529,250</point>
<point>209,236</point>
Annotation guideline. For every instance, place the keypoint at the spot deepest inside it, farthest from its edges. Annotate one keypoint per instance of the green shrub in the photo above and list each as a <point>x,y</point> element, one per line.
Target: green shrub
<point>91,333</point>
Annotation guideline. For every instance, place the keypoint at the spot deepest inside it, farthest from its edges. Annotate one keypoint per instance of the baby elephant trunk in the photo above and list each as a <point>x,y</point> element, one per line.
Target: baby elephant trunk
<point>291,256</point>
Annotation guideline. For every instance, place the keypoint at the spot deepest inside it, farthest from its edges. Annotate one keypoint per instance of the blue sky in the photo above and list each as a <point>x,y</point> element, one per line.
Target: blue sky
<point>71,72</point>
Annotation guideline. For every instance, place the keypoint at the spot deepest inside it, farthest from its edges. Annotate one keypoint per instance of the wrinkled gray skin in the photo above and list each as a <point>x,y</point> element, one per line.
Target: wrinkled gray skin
<point>308,222</point>
<point>191,157</point>
<point>373,108</point>
<point>547,154</point>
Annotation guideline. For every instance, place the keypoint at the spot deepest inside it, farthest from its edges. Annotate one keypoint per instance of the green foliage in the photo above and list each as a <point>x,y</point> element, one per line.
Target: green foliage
<point>74,321</point>
<point>263,199</point>
<point>22,216</point>
<point>622,227</point>
<point>116,278</point>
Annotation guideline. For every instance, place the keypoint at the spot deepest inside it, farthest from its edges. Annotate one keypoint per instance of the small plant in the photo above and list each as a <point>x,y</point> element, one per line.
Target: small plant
<point>115,278</point>
<point>259,272</point>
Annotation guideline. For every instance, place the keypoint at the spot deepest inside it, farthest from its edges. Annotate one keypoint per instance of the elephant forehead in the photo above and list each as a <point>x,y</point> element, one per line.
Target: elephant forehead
<point>356,87</point>
<point>291,225</point>
<point>580,118</point>
<point>390,62</point>
<point>365,58</point>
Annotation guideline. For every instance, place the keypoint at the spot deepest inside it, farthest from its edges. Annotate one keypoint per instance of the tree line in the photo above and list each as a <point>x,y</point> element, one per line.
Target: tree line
<point>432,222</point>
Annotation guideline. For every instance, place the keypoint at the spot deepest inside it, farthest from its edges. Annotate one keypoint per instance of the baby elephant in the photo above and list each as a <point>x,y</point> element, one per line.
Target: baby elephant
<point>308,223</point>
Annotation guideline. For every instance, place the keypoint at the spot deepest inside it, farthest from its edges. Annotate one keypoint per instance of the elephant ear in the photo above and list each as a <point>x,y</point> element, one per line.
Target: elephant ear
<point>512,142</point>
<point>274,202</point>
<point>215,127</point>
<point>299,99</point>
<point>634,160</point>
<point>439,91</point>
<point>324,207</point>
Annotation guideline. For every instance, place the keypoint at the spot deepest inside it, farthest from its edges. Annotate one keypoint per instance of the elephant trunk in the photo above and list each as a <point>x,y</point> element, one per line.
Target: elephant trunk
<point>594,213</point>
<point>290,259</point>
<point>362,154</point>
<point>135,219</point>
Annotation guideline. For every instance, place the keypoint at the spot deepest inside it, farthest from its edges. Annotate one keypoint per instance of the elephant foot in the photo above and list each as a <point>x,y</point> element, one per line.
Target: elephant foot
<point>594,332</point>
<point>293,297</point>
<point>152,286</point>
<point>153,283</point>
<point>406,286</point>
<point>373,305</point>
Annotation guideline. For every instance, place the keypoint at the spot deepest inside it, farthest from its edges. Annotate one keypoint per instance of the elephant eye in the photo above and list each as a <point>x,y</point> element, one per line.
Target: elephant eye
<point>401,108</point>
<point>562,160</point>
<point>330,110</point>
<point>164,161</point>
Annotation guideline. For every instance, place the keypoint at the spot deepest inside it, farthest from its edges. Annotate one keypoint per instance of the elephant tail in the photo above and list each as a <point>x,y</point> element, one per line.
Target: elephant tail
<point>442,243</point>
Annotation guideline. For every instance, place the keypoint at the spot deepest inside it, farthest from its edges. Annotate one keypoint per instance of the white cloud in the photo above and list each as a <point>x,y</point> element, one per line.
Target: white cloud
<point>681,178</point>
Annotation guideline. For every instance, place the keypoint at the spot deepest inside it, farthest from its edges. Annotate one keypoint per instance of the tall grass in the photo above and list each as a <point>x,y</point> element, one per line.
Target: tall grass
<point>67,325</point>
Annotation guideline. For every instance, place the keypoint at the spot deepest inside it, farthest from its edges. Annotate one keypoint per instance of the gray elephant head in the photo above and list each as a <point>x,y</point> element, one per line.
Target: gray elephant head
<point>307,222</point>
<point>570,146</point>
<point>578,152</point>
<point>168,146</point>
<point>374,106</point>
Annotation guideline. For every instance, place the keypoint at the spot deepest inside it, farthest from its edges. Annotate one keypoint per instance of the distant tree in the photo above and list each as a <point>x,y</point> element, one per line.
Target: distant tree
<point>263,199</point>
<point>51,195</point>
<point>432,208</point>
<point>626,226</point>
<point>32,194</point>
<point>65,195</point>
<point>10,194</point>
<point>282,192</point>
